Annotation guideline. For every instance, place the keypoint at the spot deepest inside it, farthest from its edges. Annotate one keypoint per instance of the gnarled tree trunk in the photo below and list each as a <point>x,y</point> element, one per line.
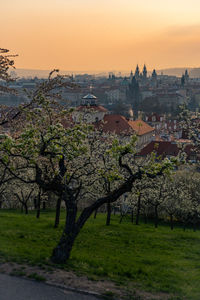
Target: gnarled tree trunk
<point>132,216</point>
<point>26,208</point>
<point>171,222</point>
<point>138,209</point>
<point>95,213</point>
<point>62,252</point>
<point>156,216</point>
<point>38,204</point>
<point>108,214</point>
<point>44,205</point>
<point>57,218</point>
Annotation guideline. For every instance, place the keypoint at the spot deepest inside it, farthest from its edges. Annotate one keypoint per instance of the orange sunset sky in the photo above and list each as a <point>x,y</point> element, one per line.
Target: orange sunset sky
<point>101,34</point>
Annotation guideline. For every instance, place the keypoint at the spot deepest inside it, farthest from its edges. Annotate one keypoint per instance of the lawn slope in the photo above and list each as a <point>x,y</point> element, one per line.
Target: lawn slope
<point>155,260</point>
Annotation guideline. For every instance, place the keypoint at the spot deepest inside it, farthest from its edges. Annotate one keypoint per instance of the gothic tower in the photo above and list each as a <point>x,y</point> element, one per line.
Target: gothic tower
<point>137,73</point>
<point>144,72</point>
<point>131,76</point>
<point>186,76</point>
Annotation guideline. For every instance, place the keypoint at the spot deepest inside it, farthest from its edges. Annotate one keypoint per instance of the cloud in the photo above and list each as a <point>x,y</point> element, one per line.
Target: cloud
<point>183,31</point>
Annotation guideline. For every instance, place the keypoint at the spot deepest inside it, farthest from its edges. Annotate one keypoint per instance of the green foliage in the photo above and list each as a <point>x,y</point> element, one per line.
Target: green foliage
<point>118,148</point>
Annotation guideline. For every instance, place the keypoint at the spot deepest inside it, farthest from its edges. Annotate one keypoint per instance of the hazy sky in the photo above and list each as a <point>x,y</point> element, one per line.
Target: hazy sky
<point>101,34</point>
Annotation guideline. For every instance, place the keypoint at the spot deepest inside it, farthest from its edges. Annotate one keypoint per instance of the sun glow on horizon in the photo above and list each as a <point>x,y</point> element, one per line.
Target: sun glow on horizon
<point>101,35</point>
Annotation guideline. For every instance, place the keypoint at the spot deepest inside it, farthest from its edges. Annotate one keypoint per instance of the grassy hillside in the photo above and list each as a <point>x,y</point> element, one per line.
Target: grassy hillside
<point>158,260</point>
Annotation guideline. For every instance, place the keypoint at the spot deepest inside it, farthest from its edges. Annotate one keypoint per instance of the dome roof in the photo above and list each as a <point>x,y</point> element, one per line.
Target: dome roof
<point>89,96</point>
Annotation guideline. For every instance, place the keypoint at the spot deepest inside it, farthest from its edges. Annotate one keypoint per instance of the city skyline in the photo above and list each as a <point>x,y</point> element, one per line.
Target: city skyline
<point>98,35</point>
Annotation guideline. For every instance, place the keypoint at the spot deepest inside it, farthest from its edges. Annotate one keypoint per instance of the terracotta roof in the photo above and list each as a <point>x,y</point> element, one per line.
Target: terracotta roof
<point>140,127</point>
<point>120,125</point>
<point>91,107</point>
<point>115,124</point>
<point>163,149</point>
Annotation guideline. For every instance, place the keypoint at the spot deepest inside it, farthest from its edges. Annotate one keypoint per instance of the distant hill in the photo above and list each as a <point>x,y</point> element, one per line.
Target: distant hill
<point>193,72</point>
<point>31,73</point>
<point>44,73</point>
<point>34,73</point>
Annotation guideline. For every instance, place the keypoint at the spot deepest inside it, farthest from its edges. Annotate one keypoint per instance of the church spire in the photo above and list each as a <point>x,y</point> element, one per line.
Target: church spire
<point>131,75</point>
<point>144,72</point>
<point>154,74</point>
<point>186,76</point>
<point>137,73</point>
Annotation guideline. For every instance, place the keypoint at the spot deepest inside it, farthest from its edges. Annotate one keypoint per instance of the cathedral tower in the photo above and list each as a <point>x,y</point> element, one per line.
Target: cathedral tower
<point>144,72</point>
<point>137,73</point>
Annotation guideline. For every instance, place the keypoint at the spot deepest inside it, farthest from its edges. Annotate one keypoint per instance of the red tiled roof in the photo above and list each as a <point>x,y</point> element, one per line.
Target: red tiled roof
<point>140,127</point>
<point>120,125</point>
<point>163,148</point>
<point>115,124</point>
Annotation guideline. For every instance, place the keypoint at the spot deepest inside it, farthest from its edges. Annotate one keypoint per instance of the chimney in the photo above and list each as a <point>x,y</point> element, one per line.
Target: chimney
<point>139,115</point>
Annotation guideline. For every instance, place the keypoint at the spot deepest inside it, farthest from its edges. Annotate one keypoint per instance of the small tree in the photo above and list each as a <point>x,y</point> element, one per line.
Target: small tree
<point>155,195</point>
<point>191,207</point>
<point>6,62</point>
<point>24,198</point>
<point>172,197</point>
<point>139,200</point>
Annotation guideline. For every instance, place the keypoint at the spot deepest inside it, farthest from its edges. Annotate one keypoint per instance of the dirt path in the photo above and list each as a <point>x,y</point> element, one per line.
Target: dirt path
<point>71,281</point>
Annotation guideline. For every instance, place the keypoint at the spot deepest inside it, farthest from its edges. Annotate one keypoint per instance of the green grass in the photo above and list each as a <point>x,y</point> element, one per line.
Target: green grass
<point>36,277</point>
<point>156,260</point>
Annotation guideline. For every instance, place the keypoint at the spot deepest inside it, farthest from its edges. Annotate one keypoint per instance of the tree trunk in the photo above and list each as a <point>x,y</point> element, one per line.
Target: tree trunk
<point>43,205</point>
<point>138,209</point>
<point>145,218</point>
<point>38,205</point>
<point>132,216</point>
<point>108,214</point>
<point>62,252</point>
<point>156,216</point>
<point>95,213</point>
<point>26,209</point>
<point>171,222</point>
<point>57,218</point>
<point>195,220</point>
<point>121,218</point>
<point>114,211</point>
<point>1,204</point>
<point>35,203</point>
